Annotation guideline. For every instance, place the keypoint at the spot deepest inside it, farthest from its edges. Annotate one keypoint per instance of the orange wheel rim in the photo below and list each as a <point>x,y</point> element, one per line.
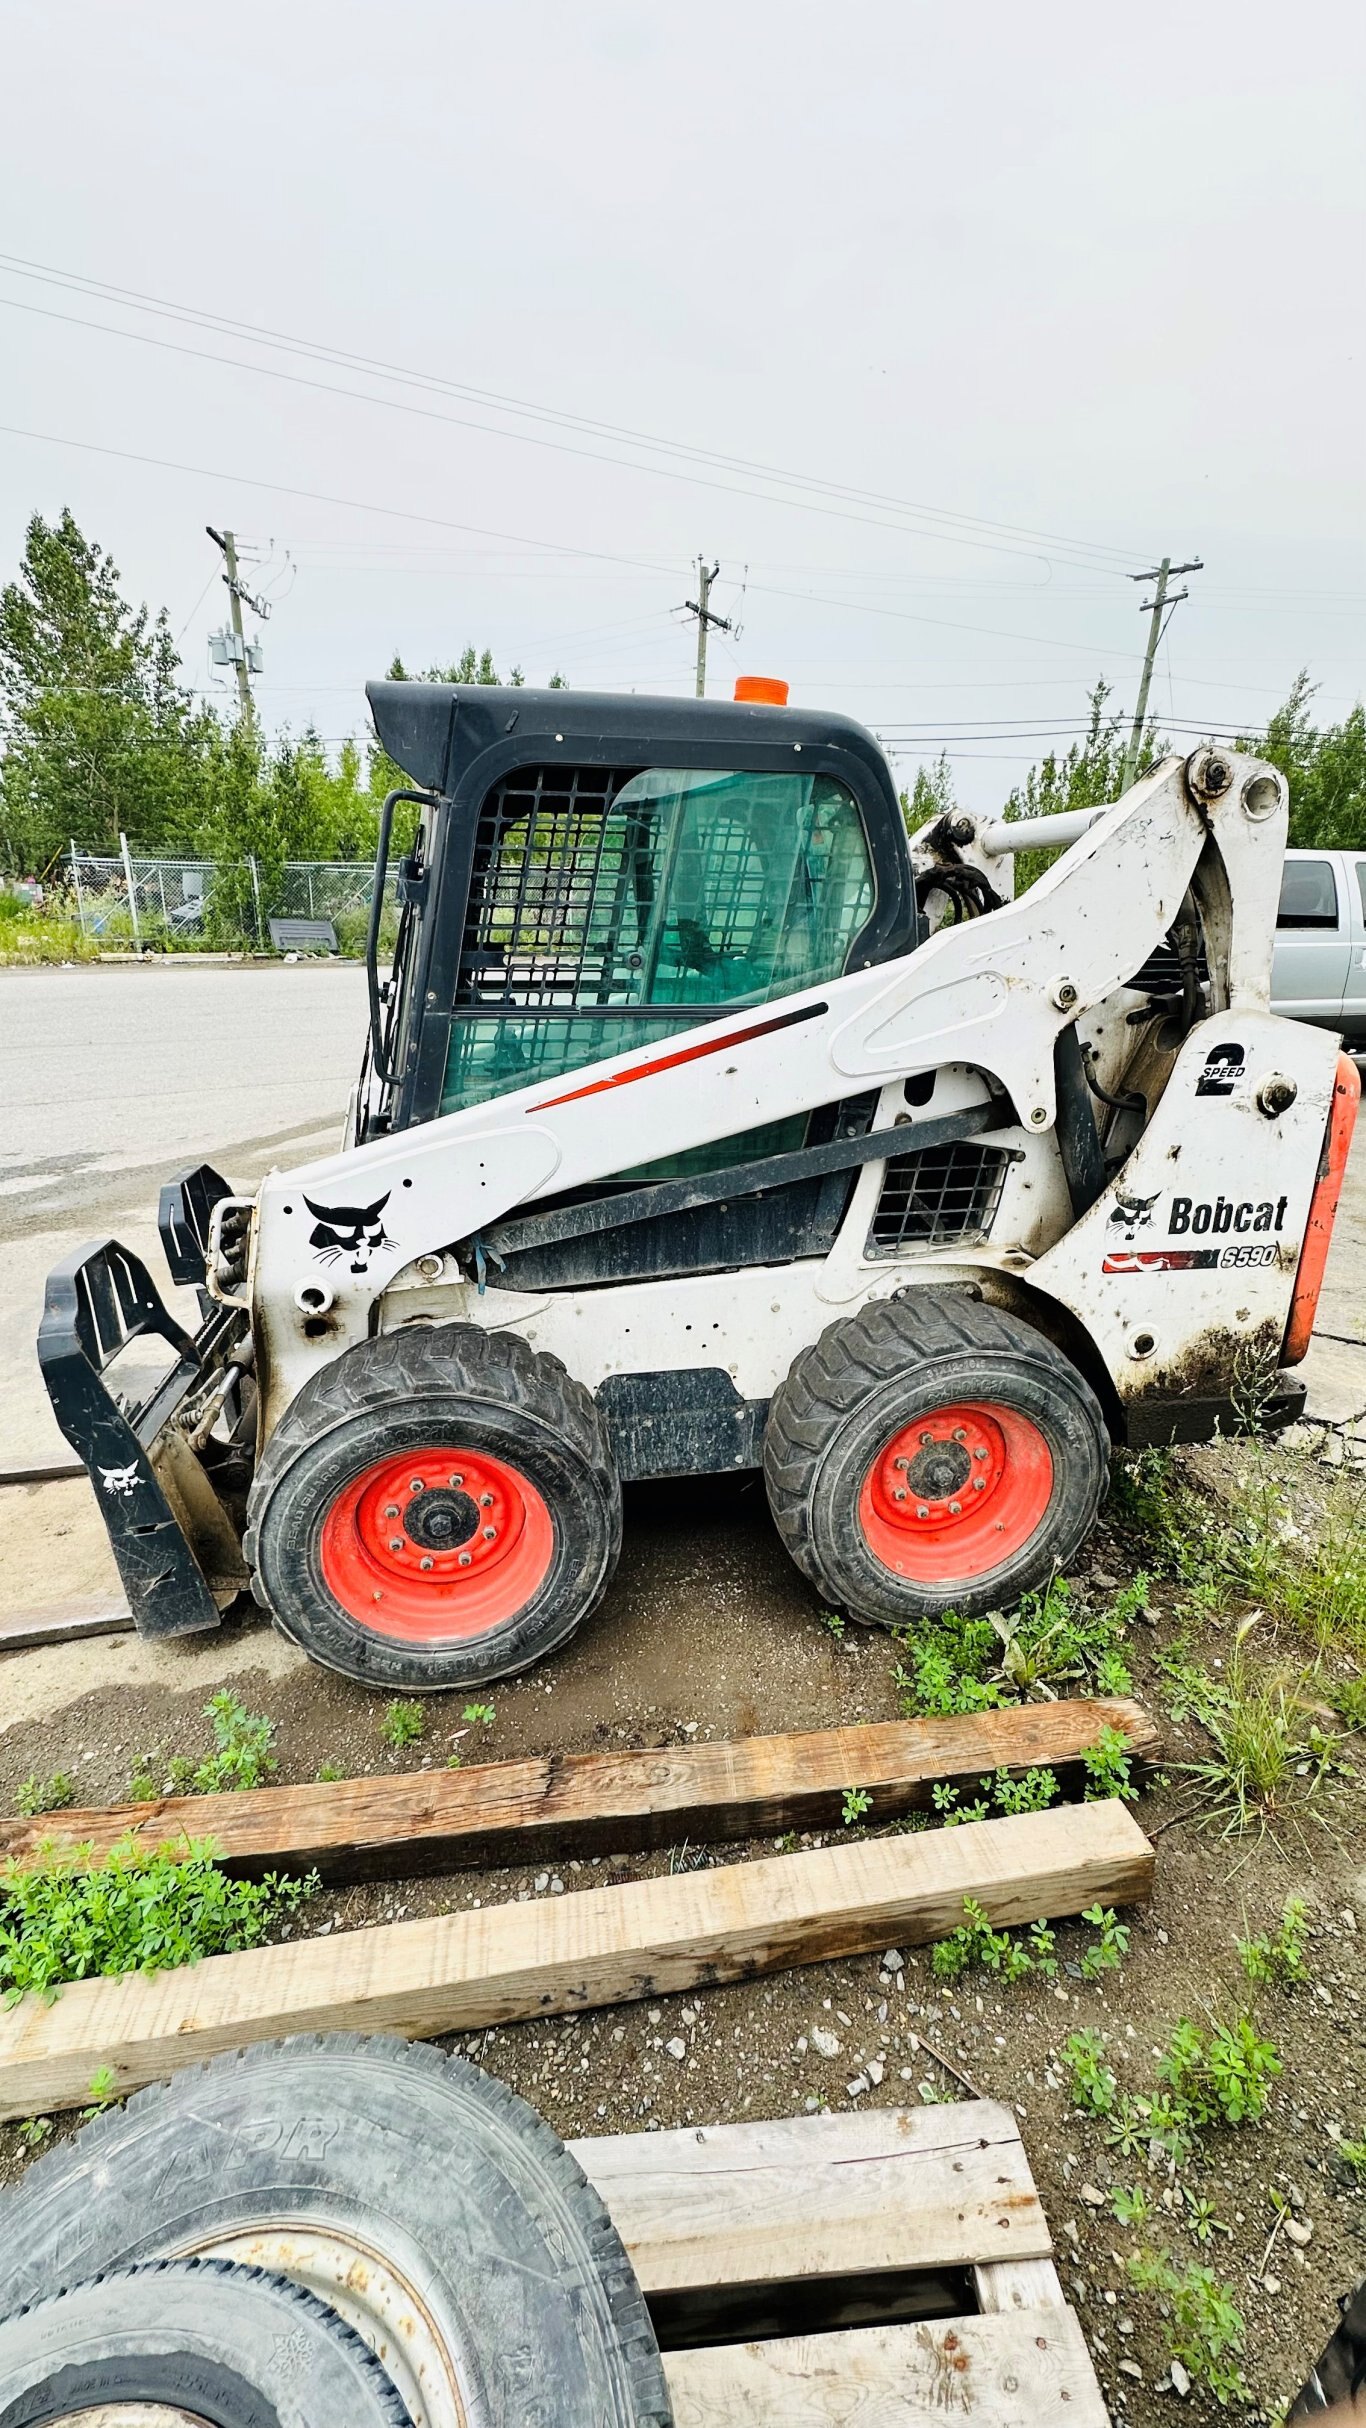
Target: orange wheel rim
<point>443,1542</point>
<point>957,1492</point>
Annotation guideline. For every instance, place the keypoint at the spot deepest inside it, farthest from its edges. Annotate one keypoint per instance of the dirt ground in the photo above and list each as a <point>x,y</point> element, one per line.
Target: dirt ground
<point>708,1632</point>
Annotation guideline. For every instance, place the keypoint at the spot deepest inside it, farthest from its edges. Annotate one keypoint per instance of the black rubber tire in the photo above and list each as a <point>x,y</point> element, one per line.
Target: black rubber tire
<point>462,2189</point>
<point>237,2347</point>
<point>870,1374</point>
<point>1340,2374</point>
<point>384,1397</point>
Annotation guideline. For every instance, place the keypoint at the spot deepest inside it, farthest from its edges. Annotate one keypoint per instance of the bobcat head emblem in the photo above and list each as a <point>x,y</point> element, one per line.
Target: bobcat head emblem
<point>1132,1214</point>
<point>353,1231</point>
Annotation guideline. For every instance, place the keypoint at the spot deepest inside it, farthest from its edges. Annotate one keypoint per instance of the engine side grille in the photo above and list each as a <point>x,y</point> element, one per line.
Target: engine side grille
<point>941,1195</point>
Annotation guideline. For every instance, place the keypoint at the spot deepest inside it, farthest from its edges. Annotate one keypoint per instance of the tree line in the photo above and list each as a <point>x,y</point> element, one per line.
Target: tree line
<point>100,735</point>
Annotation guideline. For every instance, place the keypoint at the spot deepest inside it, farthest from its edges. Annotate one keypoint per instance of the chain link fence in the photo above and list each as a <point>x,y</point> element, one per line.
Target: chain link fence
<point>121,900</point>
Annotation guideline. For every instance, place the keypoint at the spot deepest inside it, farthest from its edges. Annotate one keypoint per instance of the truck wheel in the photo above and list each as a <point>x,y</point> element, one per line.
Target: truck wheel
<point>423,2201</point>
<point>439,1508</point>
<point>932,1454</point>
<point>230,2347</point>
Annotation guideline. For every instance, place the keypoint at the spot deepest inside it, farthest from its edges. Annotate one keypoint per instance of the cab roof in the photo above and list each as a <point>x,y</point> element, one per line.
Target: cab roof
<point>436,730</point>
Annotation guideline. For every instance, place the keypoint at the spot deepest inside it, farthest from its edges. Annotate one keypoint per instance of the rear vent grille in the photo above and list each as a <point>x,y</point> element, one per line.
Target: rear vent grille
<point>940,1195</point>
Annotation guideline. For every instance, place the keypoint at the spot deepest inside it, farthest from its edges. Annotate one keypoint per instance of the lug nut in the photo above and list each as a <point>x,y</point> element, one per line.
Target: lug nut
<point>979,1454</point>
<point>416,1484</point>
<point>395,1542</point>
<point>959,1434</point>
<point>427,1563</point>
<point>901,1462</point>
<point>900,1493</point>
<point>455,1480</point>
<point>486,1500</point>
<point>392,1510</point>
<point>922,1512</point>
<point>490,1534</point>
<point>979,1483</point>
<point>926,1438</point>
<point>465,1559</point>
<point>955,1509</point>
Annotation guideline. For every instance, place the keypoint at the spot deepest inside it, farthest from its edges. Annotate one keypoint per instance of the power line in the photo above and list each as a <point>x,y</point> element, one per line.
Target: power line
<point>325,497</point>
<point>956,526</point>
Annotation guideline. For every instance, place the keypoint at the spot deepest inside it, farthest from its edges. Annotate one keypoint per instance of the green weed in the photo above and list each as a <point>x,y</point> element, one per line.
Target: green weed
<point>1270,1756</point>
<point>242,1756</point>
<point>141,1911</point>
<point>33,2131</point>
<point>1109,1769</point>
<point>1354,2155</point>
<point>1203,2221</point>
<point>833,1622</point>
<point>102,2090</point>
<point>45,1795</point>
<point>402,1724</point>
<point>857,1802</point>
<point>479,1715</point>
<point>1107,1953</point>
<point>1348,1699</point>
<point>1223,2076</point>
<point>1277,1960</point>
<point>1094,2088</point>
<point>1207,2331</point>
<point>1130,2207</point>
<point>327,1773</point>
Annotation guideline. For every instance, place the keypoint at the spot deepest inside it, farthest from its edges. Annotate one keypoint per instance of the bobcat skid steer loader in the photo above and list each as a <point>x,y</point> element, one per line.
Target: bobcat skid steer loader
<point>706,1123</point>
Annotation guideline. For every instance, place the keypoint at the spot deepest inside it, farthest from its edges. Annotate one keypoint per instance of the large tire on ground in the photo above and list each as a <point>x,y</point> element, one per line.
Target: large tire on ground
<point>422,2200</point>
<point>231,2347</point>
<point>932,1454</point>
<point>439,1508</point>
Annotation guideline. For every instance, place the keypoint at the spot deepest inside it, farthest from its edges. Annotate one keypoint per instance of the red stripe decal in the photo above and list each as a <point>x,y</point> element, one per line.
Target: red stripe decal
<point>685,1053</point>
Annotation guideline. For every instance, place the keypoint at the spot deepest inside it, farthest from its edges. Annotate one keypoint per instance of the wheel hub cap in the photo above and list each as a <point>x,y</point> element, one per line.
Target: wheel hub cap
<point>436,1544</point>
<point>956,1492</point>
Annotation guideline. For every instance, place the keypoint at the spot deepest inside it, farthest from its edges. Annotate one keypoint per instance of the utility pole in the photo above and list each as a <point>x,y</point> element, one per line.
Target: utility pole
<point>700,607</point>
<point>226,540</point>
<point>1160,608</point>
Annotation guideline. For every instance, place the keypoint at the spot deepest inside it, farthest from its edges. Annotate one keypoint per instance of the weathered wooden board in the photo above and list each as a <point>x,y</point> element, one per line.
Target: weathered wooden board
<point>599,1947</point>
<point>1025,2369</point>
<point>62,1623</point>
<point>575,1804</point>
<point>813,2196</point>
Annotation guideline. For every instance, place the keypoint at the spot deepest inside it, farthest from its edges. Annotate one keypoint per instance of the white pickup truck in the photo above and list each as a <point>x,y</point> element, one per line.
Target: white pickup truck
<point>1318,971</point>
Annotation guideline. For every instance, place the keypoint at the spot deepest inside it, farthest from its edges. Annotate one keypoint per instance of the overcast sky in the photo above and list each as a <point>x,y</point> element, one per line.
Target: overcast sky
<point>983,307</point>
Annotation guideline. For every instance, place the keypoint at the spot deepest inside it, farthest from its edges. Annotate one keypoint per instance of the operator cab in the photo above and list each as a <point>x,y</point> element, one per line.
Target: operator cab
<point>592,872</point>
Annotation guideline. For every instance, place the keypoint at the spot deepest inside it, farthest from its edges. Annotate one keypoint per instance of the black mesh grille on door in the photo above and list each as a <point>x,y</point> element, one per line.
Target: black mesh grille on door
<point>560,894</point>
<point>941,1195</point>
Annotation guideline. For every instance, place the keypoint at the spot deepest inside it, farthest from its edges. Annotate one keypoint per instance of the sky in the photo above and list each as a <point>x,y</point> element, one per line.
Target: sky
<point>931,326</point>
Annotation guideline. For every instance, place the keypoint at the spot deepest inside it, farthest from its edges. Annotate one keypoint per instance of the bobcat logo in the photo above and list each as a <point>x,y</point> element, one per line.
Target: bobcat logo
<point>1134,1213</point>
<point>354,1231</point>
<point>121,1480</point>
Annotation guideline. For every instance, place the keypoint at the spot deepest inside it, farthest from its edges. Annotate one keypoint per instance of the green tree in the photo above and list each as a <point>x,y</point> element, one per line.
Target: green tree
<point>930,796</point>
<point>1326,769</point>
<point>1086,776</point>
<point>99,734</point>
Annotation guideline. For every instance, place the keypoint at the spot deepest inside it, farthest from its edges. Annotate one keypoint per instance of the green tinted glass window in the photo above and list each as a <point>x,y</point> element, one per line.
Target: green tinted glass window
<point>605,913</point>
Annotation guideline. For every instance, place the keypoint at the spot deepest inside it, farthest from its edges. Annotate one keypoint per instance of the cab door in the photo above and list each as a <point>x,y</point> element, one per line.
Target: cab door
<point>1309,971</point>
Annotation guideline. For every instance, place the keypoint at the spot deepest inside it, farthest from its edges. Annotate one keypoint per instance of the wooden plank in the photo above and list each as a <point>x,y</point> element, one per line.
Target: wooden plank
<point>1027,2370</point>
<point>820,2196</point>
<point>1019,2284</point>
<point>599,1947</point>
<point>577,1804</point>
<point>62,1623</point>
<point>56,1472</point>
